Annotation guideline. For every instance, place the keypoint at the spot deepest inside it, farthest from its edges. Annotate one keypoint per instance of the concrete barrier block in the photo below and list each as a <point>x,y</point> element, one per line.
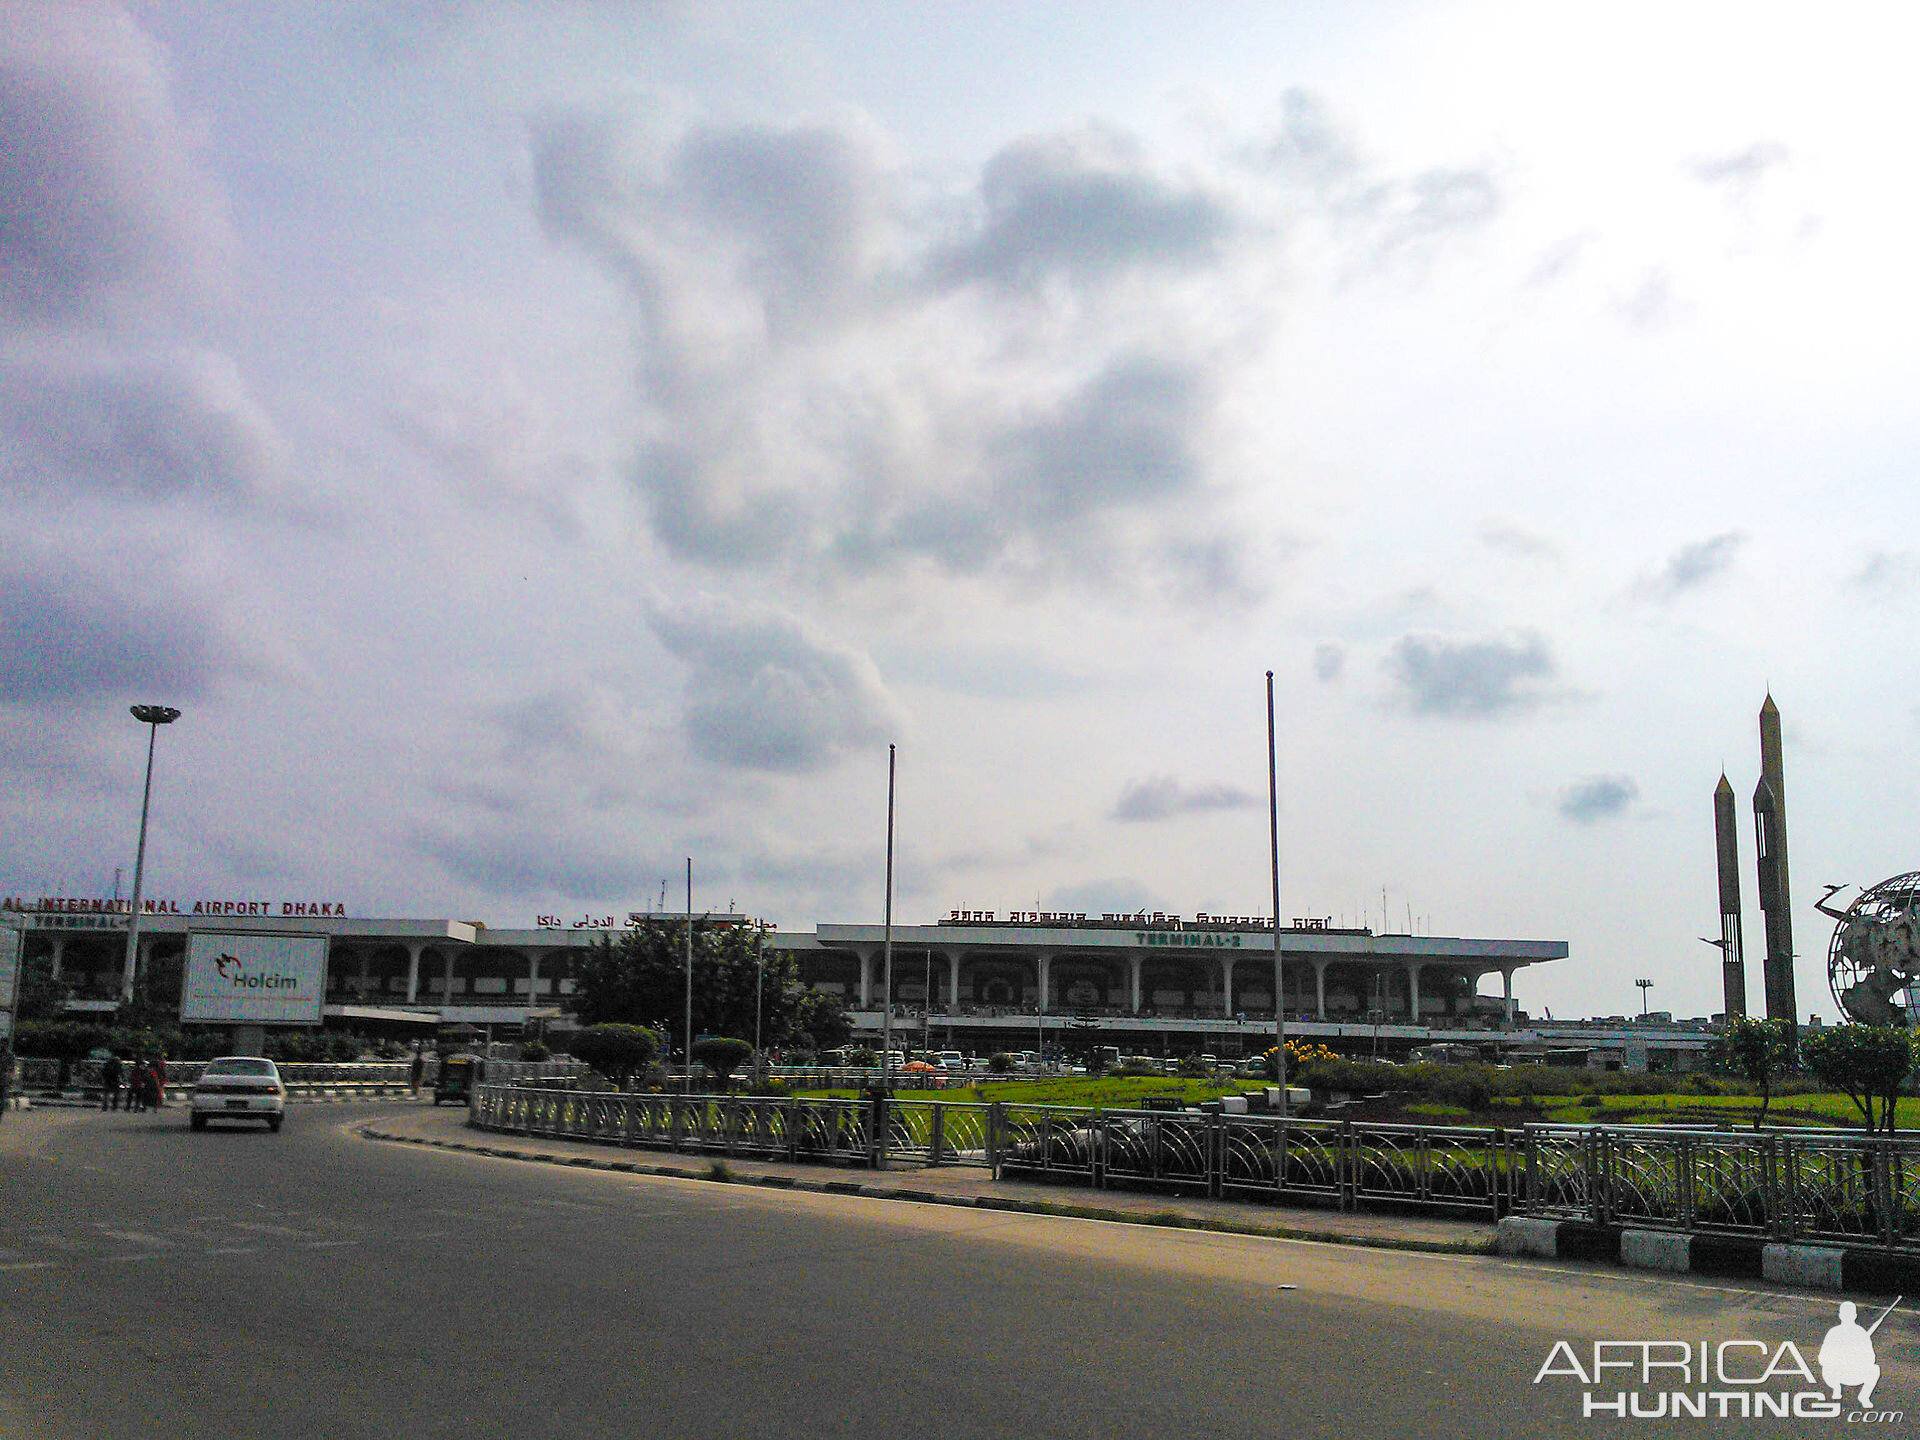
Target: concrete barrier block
<point>1656,1250</point>
<point>1524,1235</point>
<point>1880,1272</point>
<point>1814,1266</point>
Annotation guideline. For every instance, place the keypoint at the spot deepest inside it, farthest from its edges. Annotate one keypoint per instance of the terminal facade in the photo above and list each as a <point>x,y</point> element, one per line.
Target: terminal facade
<point>977,982</point>
<point>1145,983</point>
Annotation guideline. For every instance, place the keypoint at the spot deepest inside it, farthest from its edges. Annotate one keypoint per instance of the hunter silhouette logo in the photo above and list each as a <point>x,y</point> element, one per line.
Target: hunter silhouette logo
<point>1846,1355</point>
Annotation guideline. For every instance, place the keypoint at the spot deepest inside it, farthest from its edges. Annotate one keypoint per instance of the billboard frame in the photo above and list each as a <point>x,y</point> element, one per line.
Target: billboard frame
<point>13,936</point>
<point>314,1018</point>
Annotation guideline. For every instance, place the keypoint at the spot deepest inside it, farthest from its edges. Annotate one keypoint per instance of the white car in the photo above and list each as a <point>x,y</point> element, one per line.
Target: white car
<point>239,1087</point>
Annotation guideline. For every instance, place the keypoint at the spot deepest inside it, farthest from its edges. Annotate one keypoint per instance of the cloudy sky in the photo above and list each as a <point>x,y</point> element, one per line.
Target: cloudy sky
<point>536,443</point>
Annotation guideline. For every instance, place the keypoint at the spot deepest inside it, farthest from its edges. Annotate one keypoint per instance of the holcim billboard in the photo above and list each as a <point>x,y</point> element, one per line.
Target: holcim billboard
<point>254,979</point>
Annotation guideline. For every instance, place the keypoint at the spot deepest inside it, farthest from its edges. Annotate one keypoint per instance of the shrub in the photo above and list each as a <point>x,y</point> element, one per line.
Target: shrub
<point>1356,1077</point>
<point>1192,1067</point>
<point>1760,1051</point>
<point>1000,1063</point>
<point>1137,1065</point>
<point>1868,1063</point>
<point>722,1056</point>
<point>616,1051</point>
<point>534,1050</point>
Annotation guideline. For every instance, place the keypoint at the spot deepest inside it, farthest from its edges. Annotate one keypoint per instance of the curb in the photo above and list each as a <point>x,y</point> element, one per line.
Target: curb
<point>1811,1267</point>
<point>717,1173</point>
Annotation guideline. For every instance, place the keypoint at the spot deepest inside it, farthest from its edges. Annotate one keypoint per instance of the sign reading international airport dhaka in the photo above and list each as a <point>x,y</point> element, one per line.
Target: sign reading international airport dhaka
<point>240,978</point>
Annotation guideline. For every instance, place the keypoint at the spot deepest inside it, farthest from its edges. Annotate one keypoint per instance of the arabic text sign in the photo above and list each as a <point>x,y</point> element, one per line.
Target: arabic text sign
<point>254,979</point>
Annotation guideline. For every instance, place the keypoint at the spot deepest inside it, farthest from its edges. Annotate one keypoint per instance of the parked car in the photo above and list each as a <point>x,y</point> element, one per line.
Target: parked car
<point>239,1087</point>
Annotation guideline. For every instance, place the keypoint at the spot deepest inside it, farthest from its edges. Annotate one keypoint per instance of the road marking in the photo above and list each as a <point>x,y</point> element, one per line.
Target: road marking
<point>129,1259</point>
<point>29,1265</point>
<point>132,1237</point>
<point>327,1244</point>
<point>232,1250</point>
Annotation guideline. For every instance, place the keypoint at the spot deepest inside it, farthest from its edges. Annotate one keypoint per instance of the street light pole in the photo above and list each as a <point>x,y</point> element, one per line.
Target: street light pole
<point>689,951</point>
<point>759,995</point>
<point>1273,835</point>
<point>886,1030</point>
<point>153,717</point>
<point>1645,985</point>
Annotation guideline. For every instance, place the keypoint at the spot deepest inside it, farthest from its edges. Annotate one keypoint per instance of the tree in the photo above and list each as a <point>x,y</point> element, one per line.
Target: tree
<point>1759,1050</point>
<point>1867,1063</point>
<point>41,996</point>
<point>640,976</point>
<point>820,1022</point>
<point>722,1056</point>
<point>616,1051</point>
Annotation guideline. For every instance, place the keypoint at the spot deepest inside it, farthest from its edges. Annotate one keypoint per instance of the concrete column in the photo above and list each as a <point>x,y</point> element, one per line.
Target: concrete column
<point>953,980</point>
<point>533,978</point>
<point>414,947</point>
<point>57,944</point>
<point>446,992</point>
<point>1044,963</point>
<point>866,978</point>
<point>1506,992</point>
<point>1320,990</point>
<point>1134,965</point>
<point>1226,986</point>
<point>366,973</point>
<point>1413,990</point>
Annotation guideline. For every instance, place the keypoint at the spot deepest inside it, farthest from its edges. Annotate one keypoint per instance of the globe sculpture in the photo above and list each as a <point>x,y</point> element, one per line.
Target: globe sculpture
<point>1874,960</point>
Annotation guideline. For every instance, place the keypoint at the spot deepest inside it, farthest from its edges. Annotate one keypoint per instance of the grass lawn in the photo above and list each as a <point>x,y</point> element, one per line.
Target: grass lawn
<point>1126,1092</point>
<point>1118,1092</point>
<point>1835,1110</point>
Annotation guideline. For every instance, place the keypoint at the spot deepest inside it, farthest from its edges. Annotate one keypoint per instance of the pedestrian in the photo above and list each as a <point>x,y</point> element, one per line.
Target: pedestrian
<point>160,1078</point>
<point>110,1072</point>
<point>143,1073</point>
<point>416,1070</point>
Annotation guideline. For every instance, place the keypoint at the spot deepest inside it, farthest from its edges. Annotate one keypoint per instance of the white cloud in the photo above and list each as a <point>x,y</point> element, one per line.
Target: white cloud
<point>1163,798</point>
<point>1471,679</point>
<point>102,201</point>
<point>765,692</point>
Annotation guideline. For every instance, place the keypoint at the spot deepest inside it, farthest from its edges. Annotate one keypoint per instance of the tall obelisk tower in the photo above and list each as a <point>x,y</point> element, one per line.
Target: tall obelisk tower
<point>1733,958</point>
<point>1776,894</point>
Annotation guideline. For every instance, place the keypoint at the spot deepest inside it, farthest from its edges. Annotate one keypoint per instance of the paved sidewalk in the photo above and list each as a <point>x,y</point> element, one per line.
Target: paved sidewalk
<point>952,1185</point>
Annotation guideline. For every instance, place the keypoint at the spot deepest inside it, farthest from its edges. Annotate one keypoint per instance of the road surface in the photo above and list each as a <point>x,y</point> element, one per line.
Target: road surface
<point>157,1282</point>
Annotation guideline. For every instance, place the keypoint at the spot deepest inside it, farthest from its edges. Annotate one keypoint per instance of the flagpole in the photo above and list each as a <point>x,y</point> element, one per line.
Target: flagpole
<point>886,1050</point>
<point>1279,981</point>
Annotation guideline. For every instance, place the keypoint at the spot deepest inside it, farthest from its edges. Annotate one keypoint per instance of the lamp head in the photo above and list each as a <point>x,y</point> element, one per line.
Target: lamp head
<point>154,714</point>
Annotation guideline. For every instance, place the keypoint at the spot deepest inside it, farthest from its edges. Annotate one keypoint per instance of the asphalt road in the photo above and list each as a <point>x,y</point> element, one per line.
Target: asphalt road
<point>156,1282</point>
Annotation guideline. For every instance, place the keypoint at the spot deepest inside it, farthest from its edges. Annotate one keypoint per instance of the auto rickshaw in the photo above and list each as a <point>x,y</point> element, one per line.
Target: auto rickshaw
<point>458,1075</point>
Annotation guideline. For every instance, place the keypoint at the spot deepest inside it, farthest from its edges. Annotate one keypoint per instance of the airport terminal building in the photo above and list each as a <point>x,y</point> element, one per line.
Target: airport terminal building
<point>984,980</point>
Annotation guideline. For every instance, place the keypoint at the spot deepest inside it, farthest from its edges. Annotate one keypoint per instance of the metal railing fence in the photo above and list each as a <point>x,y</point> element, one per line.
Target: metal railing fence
<point>1835,1185</point>
<point>1816,1185</point>
<point>760,1127</point>
<point>1349,1164</point>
